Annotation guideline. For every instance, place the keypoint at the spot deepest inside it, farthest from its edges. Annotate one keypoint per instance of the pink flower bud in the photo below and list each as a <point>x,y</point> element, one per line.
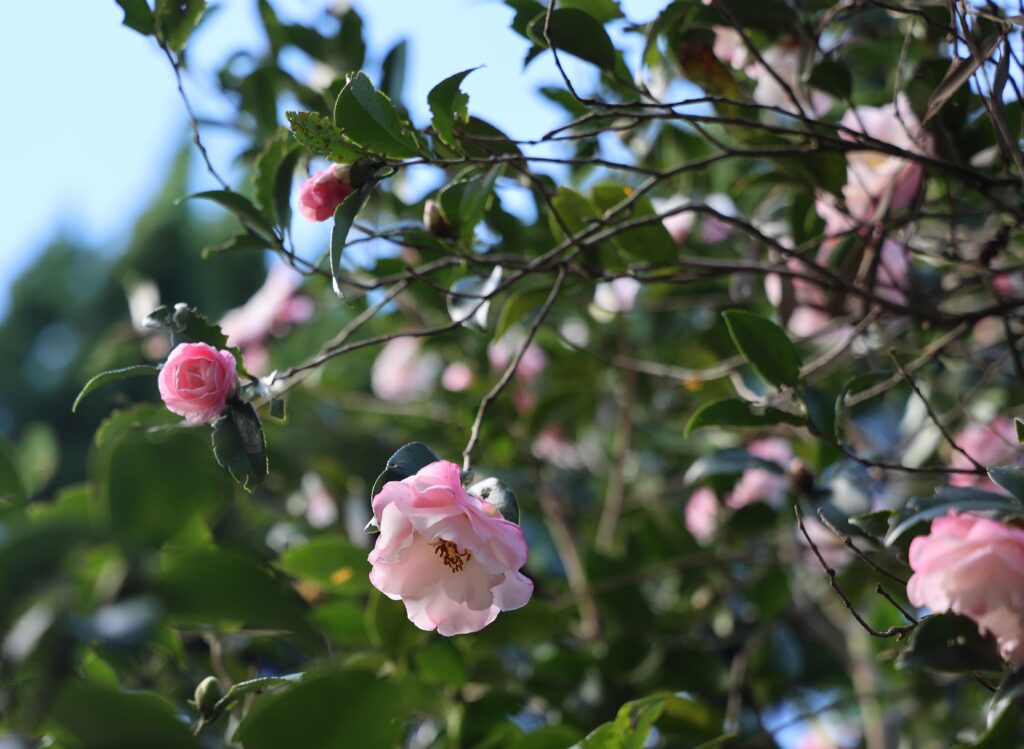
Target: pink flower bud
<point>322,193</point>
<point>449,556</point>
<point>197,380</point>
<point>975,567</point>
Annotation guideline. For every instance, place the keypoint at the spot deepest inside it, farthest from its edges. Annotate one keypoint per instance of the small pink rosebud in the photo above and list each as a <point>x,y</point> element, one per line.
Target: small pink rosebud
<point>322,193</point>
<point>197,380</point>
<point>446,554</point>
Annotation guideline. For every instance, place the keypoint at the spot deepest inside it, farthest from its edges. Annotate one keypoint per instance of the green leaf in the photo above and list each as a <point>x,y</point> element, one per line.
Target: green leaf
<point>113,375</point>
<point>1010,478</point>
<point>851,386</point>
<point>733,412</point>
<point>344,216</point>
<point>766,346</point>
<point>630,728</point>
<point>370,713</point>
<point>439,664</point>
<point>187,325</point>
<point>138,16</point>
<point>650,243</point>
<point>248,214</point>
<point>12,484</point>
<point>393,71</point>
<point>947,499</point>
<point>831,77</point>
<point>148,494</point>
<point>239,444</point>
<point>518,306</point>
<point>90,716</point>
<point>951,643</point>
<point>1004,713</point>
<point>1018,428</point>
<point>272,178</point>
<point>320,137</point>
<point>578,33</point>
<point>875,523</point>
<point>176,20</point>
<point>254,686</point>
<point>368,118</point>
<point>602,10</point>
<point>730,462</point>
<point>405,462</point>
<point>464,201</point>
<point>213,585</point>
<point>546,737</point>
<point>448,104</point>
<point>333,562</point>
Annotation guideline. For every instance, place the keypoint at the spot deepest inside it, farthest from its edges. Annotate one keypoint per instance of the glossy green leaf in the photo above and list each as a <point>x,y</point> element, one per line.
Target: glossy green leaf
<point>733,412</point>
<point>12,485</point>
<point>602,10</point>
<point>943,502</point>
<point>368,118</point>
<point>464,201</point>
<point>139,370</point>
<point>344,216</point>
<point>631,726</point>
<point>321,137</point>
<point>331,561</point>
<point>578,33</point>
<point>369,713</point>
<point>138,16</point>
<point>650,243</point>
<point>239,444</point>
<point>447,105</point>
<point>831,77</point>
<point>176,20</point>
<point>248,214</point>
<point>1010,478</point>
<point>766,346</point>
<point>951,643</point>
<point>91,716</point>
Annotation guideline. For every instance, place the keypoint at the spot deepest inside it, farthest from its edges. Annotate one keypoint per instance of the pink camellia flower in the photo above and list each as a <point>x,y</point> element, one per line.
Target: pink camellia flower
<point>322,193</point>
<point>784,59</point>
<point>449,556</point>
<point>197,380</point>
<point>990,444</point>
<point>402,372</point>
<point>973,566</point>
<point>270,311</point>
<point>500,354</point>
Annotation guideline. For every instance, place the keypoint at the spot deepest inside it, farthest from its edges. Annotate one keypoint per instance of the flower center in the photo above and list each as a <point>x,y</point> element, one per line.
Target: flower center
<point>453,559</point>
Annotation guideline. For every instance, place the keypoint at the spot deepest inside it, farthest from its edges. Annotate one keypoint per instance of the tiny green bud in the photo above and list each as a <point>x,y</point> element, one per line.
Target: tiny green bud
<point>207,695</point>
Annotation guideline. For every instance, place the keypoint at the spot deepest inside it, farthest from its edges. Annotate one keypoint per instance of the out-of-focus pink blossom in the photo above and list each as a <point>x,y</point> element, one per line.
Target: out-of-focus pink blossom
<point>402,372</point>
<point>975,567</point>
<point>197,380</point>
<point>784,58</point>
<point>321,509</point>
<point>456,377</point>
<point>322,193</point>
<point>500,354</point>
<point>728,47</point>
<point>991,444</point>
<point>701,515</point>
<point>713,229</point>
<point>447,555</point>
<point>551,446</point>
<point>270,311</point>
<point>617,296</point>
<point>762,484</point>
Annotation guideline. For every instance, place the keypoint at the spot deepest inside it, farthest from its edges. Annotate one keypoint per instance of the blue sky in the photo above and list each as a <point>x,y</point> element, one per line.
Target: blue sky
<point>94,117</point>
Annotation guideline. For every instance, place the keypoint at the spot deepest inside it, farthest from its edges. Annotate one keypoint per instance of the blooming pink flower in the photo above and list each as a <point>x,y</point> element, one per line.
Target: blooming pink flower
<point>197,380</point>
<point>456,377</point>
<point>990,444</point>
<point>618,295</point>
<point>973,566</point>
<point>729,47</point>
<point>402,372</point>
<point>270,311</point>
<point>322,193</point>
<point>701,514</point>
<point>449,556</point>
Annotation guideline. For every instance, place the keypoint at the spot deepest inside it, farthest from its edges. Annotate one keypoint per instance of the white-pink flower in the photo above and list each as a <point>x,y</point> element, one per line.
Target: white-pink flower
<point>729,47</point>
<point>197,380</point>
<point>701,514</point>
<point>784,58</point>
<point>449,556</point>
<point>975,567</point>
<point>500,354</point>
<point>402,372</point>
<point>618,295</point>
<point>456,377</point>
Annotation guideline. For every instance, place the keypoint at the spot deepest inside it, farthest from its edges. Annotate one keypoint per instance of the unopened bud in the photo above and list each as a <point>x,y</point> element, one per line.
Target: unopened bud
<point>433,220</point>
<point>207,695</point>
